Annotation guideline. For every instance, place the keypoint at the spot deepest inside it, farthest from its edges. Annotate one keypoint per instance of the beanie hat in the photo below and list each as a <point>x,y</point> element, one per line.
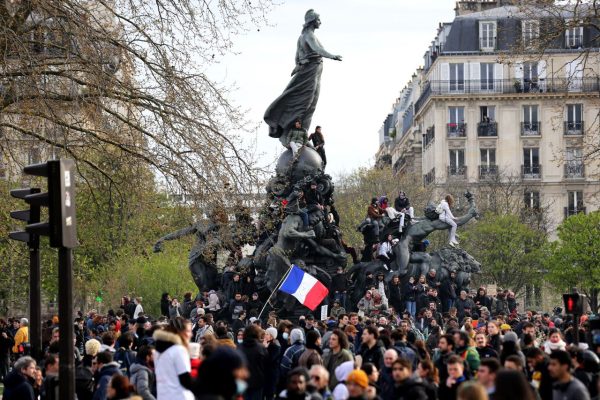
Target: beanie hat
<point>272,331</point>
<point>359,377</point>
<point>296,335</point>
<point>505,327</point>
<point>511,337</point>
<point>92,347</point>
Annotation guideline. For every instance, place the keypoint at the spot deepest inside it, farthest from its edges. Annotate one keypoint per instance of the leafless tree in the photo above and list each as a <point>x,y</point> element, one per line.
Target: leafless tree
<point>113,82</point>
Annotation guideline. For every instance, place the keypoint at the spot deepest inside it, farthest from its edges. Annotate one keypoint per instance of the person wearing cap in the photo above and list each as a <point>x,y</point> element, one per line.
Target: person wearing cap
<point>357,384</point>
<point>337,309</point>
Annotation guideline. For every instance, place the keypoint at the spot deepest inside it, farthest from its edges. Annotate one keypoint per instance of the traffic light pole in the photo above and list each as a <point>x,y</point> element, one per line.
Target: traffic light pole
<point>35,298</point>
<point>65,314</point>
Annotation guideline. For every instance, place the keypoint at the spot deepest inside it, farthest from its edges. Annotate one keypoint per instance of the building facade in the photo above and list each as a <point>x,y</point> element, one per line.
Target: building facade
<point>490,107</point>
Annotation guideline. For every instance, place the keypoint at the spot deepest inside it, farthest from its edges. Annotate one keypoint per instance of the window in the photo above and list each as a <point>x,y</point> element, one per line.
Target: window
<point>574,163</point>
<point>573,35</point>
<point>456,122</point>
<point>530,77</point>
<point>457,162</point>
<point>531,162</point>
<point>487,36</point>
<point>487,125</point>
<point>530,125</point>
<point>531,31</point>
<point>574,119</point>
<point>487,76</point>
<point>457,77</point>
<point>487,164</point>
<point>575,205</point>
<point>532,199</point>
<point>488,157</point>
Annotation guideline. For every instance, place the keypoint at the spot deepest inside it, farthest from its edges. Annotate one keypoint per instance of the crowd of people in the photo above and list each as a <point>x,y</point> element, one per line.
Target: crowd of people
<point>473,347</point>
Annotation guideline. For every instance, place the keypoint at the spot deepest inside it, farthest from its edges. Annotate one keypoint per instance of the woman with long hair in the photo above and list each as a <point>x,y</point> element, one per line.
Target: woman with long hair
<point>447,217</point>
<point>511,385</point>
<point>172,360</point>
<point>429,374</point>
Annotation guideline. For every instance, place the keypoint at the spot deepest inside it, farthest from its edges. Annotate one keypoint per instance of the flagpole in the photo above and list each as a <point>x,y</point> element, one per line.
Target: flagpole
<point>275,290</point>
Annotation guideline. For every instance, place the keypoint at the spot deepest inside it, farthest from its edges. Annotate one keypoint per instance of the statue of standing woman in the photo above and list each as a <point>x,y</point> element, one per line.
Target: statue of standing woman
<point>299,99</point>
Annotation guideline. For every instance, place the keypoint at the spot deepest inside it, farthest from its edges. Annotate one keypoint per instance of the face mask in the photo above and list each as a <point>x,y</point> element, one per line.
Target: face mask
<point>240,341</point>
<point>286,336</point>
<point>240,386</point>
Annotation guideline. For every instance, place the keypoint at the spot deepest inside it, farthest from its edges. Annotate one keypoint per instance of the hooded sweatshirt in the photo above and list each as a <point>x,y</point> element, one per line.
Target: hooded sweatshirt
<point>341,373</point>
<point>143,380</point>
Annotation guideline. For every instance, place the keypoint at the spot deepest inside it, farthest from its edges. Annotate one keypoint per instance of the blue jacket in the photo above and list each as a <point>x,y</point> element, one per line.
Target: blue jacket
<point>103,378</point>
<point>291,357</point>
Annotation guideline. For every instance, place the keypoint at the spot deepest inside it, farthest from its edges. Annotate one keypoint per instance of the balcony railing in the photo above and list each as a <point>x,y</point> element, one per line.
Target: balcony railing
<point>506,86</point>
<point>574,170</point>
<point>457,129</point>
<point>531,171</point>
<point>488,171</point>
<point>573,211</point>
<point>457,171</point>
<point>429,136</point>
<point>486,129</point>
<point>531,129</point>
<point>573,128</point>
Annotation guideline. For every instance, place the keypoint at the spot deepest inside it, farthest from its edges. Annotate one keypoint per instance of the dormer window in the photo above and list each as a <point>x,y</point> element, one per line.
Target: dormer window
<point>487,35</point>
<point>573,35</point>
<point>531,32</point>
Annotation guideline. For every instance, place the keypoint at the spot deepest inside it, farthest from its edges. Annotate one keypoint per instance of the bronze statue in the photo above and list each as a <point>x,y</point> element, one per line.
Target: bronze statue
<point>299,99</point>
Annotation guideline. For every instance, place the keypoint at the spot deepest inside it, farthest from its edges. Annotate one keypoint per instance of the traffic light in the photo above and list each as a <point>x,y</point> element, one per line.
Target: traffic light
<point>573,303</point>
<point>30,216</point>
<point>60,200</point>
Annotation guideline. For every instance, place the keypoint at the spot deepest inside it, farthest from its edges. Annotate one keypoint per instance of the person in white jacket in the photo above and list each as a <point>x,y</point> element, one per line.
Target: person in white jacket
<point>447,216</point>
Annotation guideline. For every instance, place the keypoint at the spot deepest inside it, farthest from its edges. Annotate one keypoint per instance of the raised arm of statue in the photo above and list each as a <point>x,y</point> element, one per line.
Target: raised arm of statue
<point>313,43</point>
<point>190,230</point>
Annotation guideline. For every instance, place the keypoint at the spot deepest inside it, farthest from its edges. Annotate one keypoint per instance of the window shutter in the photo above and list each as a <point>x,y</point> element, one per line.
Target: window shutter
<point>519,71</point>
<point>498,76</point>
<point>542,74</point>
<point>475,76</point>
<point>445,77</point>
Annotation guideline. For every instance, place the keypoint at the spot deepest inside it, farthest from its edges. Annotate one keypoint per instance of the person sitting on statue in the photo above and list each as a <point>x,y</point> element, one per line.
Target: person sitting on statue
<point>401,208</point>
<point>385,253</point>
<point>296,204</point>
<point>295,138</point>
<point>374,215</point>
<point>447,217</point>
<point>314,199</point>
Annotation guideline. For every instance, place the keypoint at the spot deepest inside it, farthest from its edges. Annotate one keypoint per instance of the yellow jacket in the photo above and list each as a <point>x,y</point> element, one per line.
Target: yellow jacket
<point>22,336</point>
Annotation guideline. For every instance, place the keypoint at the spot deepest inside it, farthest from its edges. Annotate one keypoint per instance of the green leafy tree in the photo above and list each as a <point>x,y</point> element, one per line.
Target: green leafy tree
<point>509,251</point>
<point>572,260</point>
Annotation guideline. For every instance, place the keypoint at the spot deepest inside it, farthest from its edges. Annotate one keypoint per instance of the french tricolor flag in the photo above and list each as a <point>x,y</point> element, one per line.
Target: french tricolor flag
<point>304,287</point>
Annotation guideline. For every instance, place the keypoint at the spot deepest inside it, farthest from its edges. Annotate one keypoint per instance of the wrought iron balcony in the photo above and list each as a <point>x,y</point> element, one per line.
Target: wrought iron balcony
<point>488,171</point>
<point>531,129</point>
<point>457,171</point>
<point>457,129</point>
<point>487,129</point>
<point>531,171</point>
<point>574,170</point>
<point>573,128</point>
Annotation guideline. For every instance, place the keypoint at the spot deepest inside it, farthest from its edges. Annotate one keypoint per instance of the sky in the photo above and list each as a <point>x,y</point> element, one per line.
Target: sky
<point>382,43</point>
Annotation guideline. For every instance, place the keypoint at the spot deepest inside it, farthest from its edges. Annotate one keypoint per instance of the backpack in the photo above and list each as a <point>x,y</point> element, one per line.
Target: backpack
<point>84,383</point>
<point>122,357</point>
<point>439,209</point>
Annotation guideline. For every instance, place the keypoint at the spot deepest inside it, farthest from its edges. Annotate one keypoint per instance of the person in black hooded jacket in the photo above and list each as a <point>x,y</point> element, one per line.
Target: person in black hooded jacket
<point>406,387</point>
<point>258,358</point>
<point>165,302</point>
<point>219,374</point>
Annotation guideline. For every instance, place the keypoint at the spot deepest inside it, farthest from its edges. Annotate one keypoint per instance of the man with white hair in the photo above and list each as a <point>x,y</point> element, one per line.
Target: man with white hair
<point>21,337</point>
<point>386,380</point>
<point>319,377</point>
